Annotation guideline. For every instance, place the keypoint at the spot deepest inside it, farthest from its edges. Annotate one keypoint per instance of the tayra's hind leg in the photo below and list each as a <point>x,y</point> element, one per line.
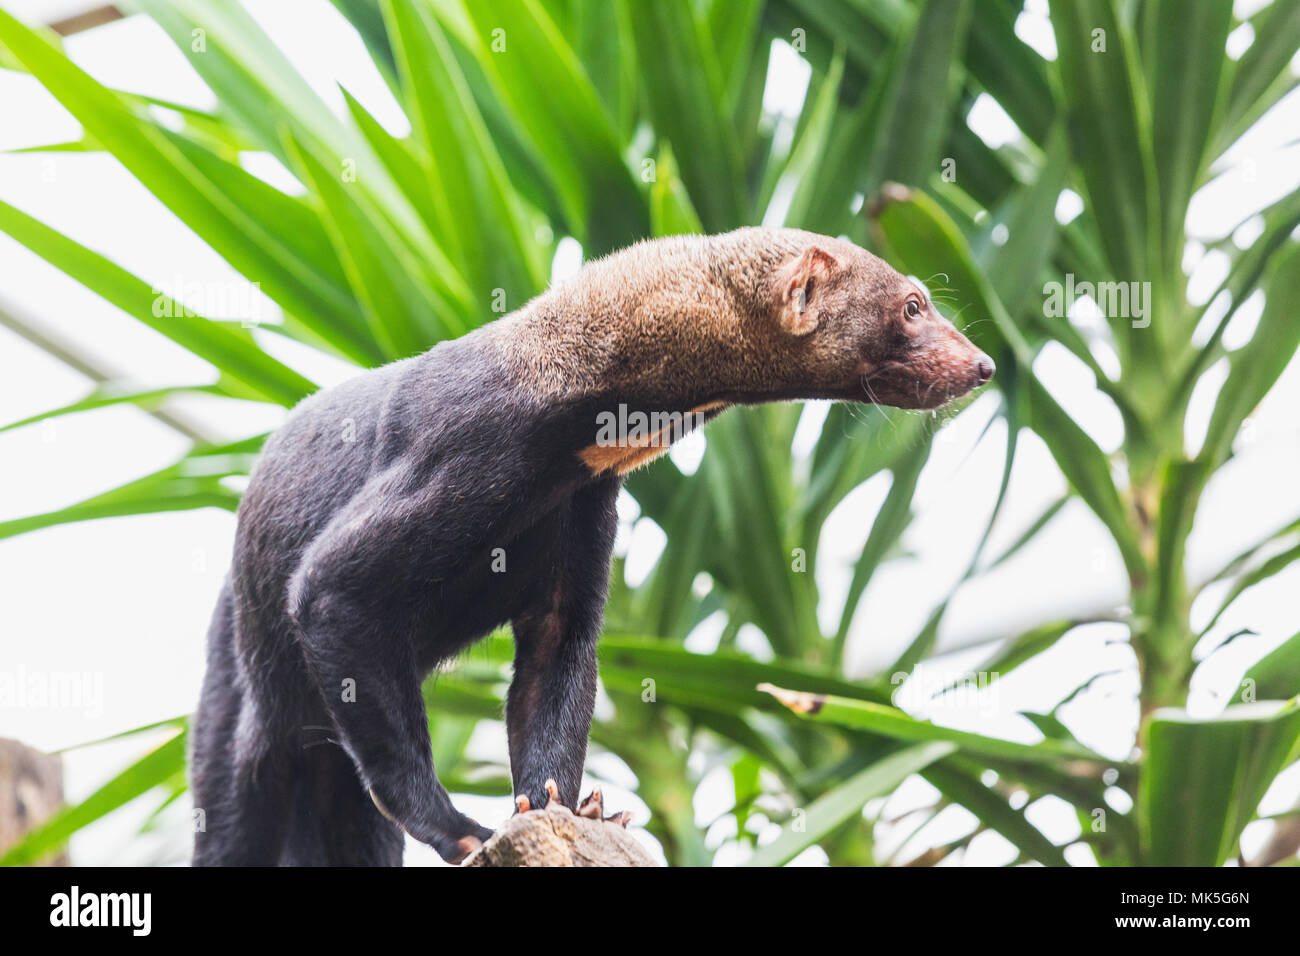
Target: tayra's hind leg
<point>371,689</point>
<point>335,822</point>
<point>360,651</point>
<point>239,769</point>
<point>245,801</point>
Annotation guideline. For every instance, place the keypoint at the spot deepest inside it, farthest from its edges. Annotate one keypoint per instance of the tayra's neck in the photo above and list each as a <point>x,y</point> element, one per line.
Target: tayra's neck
<point>676,320</point>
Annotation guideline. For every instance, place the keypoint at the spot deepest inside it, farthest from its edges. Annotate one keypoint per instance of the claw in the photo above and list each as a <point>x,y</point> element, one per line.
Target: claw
<point>521,803</point>
<point>553,796</point>
<point>622,819</point>
<point>593,807</point>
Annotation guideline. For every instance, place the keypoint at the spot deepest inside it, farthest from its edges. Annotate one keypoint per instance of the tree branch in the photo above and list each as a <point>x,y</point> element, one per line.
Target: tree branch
<point>559,837</point>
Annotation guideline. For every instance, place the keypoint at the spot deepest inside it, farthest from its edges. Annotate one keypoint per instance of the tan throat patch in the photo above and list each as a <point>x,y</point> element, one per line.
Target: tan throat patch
<point>635,452</point>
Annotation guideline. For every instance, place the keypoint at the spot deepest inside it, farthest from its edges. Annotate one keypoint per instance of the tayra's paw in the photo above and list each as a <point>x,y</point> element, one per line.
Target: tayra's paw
<point>454,851</point>
<point>464,847</point>
<point>523,803</point>
<point>593,808</point>
<point>453,838</point>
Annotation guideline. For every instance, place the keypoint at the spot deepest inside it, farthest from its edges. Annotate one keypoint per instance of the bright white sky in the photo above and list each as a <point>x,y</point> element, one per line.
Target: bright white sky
<point>126,601</point>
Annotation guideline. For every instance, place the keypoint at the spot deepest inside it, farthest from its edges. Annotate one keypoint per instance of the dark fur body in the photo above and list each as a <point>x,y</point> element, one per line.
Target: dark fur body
<point>385,601</point>
<point>366,541</point>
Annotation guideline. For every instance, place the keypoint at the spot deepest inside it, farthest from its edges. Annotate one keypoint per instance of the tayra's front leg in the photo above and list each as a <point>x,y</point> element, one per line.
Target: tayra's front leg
<point>549,707</point>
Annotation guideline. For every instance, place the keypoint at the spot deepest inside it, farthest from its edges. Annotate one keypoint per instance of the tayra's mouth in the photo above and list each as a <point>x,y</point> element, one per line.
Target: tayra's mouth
<point>896,387</point>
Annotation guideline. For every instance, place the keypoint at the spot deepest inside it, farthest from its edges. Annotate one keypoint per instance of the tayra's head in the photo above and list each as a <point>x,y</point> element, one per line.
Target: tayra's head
<point>868,333</point>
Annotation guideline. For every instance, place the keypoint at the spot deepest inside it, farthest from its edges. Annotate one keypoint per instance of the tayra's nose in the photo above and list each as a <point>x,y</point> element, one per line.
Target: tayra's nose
<point>984,368</point>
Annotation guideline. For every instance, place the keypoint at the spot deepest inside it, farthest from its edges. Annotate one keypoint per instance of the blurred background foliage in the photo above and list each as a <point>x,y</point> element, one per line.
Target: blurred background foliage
<point>537,120</point>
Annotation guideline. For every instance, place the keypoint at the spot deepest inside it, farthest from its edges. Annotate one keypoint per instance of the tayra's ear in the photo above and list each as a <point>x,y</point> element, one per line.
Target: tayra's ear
<point>800,289</point>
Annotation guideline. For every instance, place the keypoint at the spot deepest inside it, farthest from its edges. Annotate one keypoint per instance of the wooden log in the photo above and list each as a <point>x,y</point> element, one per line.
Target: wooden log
<point>31,791</point>
<point>559,837</point>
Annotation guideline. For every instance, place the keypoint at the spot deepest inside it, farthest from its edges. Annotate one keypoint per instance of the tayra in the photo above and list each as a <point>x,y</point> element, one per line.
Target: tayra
<point>399,517</point>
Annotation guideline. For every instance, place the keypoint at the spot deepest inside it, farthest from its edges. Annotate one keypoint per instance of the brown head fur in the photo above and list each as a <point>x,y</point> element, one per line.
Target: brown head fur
<point>747,316</point>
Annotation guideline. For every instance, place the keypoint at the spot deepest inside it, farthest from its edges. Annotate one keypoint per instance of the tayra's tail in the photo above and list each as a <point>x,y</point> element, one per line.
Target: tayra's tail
<point>271,785</point>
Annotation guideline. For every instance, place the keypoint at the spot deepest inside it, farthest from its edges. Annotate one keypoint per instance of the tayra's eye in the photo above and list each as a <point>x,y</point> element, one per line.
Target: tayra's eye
<point>912,309</point>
